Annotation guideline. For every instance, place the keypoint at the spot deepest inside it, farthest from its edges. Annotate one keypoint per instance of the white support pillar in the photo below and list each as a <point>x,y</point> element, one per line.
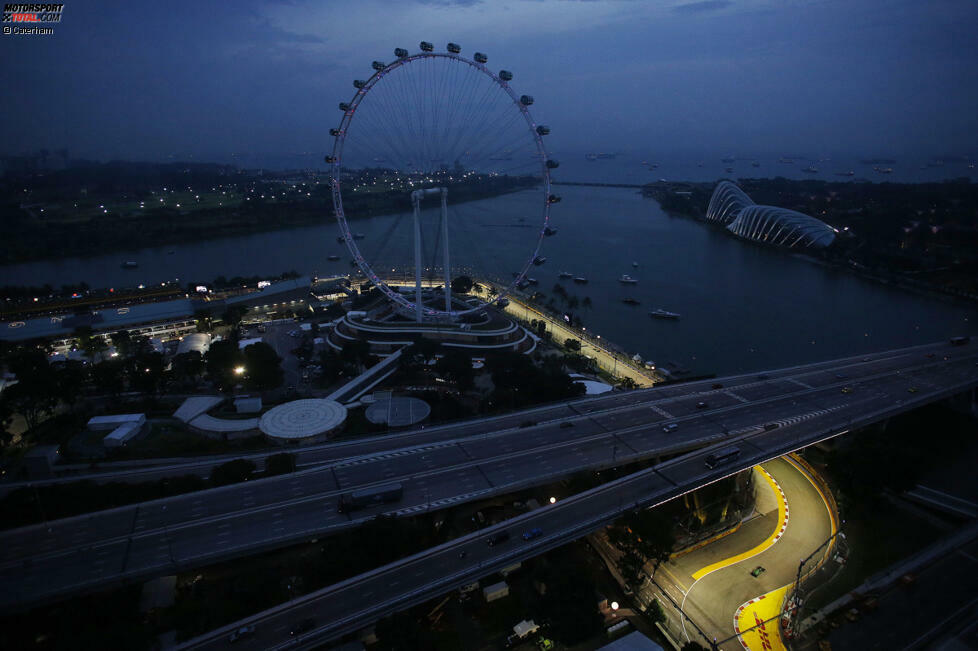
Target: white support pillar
<point>444,239</point>
<point>416,201</point>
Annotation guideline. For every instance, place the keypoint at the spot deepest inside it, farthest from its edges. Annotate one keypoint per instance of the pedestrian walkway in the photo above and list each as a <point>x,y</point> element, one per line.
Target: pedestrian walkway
<point>194,406</point>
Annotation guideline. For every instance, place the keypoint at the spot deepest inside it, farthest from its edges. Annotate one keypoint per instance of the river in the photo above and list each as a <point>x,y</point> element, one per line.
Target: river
<point>743,307</point>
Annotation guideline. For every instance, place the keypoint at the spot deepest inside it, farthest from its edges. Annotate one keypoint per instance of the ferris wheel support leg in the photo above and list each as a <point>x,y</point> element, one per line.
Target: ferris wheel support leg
<point>444,238</point>
<point>416,200</point>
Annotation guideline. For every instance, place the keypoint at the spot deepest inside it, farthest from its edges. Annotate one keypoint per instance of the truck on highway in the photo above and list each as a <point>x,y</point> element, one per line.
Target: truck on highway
<point>960,341</point>
<point>365,497</point>
<point>722,456</point>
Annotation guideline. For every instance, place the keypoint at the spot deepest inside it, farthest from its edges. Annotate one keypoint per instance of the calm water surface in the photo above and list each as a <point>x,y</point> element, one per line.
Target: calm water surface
<point>743,307</point>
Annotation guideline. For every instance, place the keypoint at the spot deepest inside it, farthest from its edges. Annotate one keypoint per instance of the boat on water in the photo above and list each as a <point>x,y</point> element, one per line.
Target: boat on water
<point>333,257</point>
<point>786,160</point>
<point>580,280</point>
<point>659,313</point>
<point>170,252</point>
<point>532,281</point>
<point>549,231</point>
<point>358,236</point>
<point>565,274</point>
<point>539,260</point>
<point>130,264</point>
<point>634,264</point>
<point>755,164</point>
<point>728,170</point>
<point>628,280</point>
<point>810,169</point>
<point>849,173</point>
<point>601,156</point>
<point>631,301</point>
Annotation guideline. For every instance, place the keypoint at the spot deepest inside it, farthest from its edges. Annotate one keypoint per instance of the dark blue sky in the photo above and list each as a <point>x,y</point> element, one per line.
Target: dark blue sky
<point>141,80</point>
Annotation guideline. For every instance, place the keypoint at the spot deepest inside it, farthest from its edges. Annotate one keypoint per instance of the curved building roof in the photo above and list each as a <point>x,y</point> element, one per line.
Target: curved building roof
<point>781,227</point>
<point>302,419</point>
<point>727,202</point>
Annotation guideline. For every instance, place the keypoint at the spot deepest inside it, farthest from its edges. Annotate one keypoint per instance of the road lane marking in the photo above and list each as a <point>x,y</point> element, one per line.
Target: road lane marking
<point>800,383</point>
<point>779,530</point>
<point>661,411</point>
<point>736,397</point>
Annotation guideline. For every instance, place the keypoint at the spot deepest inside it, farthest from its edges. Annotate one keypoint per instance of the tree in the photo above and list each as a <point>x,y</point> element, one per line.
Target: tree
<point>586,303</point>
<point>279,464</point>
<point>35,392</point>
<point>570,602</point>
<point>233,315</point>
<point>203,318</point>
<point>456,366</point>
<point>572,344</point>
<point>122,340</point>
<point>187,366</point>
<point>90,343</point>
<point>71,378</point>
<point>630,566</point>
<point>462,285</point>
<point>222,359</point>
<point>263,367</point>
<point>332,366</point>
<point>232,472</point>
<point>356,352</point>
<point>110,376</point>
<point>146,372</point>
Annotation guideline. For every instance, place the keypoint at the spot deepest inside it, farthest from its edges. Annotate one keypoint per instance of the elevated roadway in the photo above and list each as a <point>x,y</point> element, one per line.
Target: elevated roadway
<point>347,606</point>
<point>315,455</point>
<point>467,461</point>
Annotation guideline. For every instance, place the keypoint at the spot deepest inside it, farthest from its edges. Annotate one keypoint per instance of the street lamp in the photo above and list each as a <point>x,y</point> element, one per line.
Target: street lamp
<point>239,370</point>
<point>614,605</point>
<point>553,500</point>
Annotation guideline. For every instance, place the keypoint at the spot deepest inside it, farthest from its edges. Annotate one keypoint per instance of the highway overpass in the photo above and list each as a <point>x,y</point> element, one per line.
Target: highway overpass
<point>440,467</point>
<point>352,604</point>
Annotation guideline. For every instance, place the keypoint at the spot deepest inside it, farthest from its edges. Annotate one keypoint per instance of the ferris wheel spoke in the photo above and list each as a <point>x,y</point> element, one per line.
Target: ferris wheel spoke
<point>417,124</point>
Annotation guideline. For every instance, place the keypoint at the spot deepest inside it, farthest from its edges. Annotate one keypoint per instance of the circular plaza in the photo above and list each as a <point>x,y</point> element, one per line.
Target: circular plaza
<point>302,421</point>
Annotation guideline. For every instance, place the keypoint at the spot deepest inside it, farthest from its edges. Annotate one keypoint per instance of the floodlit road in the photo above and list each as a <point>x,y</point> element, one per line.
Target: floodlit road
<point>713,582</point>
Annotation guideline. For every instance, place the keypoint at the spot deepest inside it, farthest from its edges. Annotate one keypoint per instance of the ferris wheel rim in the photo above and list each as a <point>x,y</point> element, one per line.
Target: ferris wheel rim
<point>336,166</point>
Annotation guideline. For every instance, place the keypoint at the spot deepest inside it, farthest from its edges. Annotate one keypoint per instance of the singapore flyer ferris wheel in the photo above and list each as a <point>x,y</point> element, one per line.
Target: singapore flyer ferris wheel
<point>444,139</point>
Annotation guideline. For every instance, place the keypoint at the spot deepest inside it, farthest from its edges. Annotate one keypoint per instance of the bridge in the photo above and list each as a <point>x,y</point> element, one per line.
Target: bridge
<point>440,467</point>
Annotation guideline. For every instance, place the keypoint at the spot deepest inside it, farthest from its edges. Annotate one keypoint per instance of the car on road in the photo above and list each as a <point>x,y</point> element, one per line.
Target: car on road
<point>912,390</point>
<point>528,423</point>
<point>497,539</point>
<point>302,626</point>
<point>671,427</point>
<point>841,376</point>
<point>566,424</point>
<point>241,632</point>
<point>535,532</point>
<point>701,405</point>
<point>846,389</point>
<point>717,385</point>
<point>757,571</point>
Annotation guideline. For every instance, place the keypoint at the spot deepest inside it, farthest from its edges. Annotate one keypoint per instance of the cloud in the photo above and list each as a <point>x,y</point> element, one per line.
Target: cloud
<point>702,7</point>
